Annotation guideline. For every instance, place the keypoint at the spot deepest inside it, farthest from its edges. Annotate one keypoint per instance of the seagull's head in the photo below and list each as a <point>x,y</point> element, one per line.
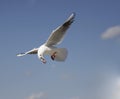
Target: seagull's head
<point>42,59</point>
<point>41,52</point>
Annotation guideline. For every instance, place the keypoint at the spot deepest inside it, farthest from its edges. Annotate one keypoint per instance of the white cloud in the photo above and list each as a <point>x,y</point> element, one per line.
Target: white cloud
<point>111,32</point>
<point>116,92</point>
<point>40,95</point>
<point>111,89</point>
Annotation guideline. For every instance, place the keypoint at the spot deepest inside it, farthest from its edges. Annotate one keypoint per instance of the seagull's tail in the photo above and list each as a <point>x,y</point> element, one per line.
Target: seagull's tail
<point>61,54</point>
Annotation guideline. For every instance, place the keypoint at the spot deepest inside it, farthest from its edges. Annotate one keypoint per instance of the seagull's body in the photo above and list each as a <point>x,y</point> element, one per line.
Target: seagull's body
<point>49,48</point>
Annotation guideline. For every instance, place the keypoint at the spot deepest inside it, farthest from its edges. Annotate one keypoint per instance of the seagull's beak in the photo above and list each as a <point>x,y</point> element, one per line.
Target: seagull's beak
<point>43,60</point>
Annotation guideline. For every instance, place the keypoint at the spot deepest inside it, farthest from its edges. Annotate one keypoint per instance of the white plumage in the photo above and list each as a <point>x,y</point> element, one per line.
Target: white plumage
<point>49,48</point>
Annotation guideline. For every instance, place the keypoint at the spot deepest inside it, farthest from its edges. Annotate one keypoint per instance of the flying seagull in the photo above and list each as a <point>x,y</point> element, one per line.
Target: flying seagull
<point>49,47</point>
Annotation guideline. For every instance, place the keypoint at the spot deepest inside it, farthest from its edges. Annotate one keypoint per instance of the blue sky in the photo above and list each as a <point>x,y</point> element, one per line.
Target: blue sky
<point>92,69</point>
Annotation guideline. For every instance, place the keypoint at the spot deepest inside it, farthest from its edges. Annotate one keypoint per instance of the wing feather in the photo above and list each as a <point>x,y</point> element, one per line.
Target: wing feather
<point>33,51</point>
<point>57,35</point>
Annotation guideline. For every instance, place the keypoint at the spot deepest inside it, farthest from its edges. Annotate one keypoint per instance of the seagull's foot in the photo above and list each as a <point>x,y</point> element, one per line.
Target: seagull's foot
<point>53,56</point>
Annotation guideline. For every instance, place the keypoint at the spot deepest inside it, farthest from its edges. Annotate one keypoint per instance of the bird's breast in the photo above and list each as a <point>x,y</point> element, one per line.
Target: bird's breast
<point>46,50</point>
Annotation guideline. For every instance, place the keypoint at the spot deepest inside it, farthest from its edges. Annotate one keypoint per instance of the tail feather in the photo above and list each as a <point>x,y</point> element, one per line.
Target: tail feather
<point>61,54</point>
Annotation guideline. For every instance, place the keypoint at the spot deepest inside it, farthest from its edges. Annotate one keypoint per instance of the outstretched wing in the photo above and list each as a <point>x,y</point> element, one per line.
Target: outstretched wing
<point>33,51</point>
<point>58,34</point>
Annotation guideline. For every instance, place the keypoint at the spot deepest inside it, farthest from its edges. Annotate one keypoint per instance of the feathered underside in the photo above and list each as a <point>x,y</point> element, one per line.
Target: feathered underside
<point>33,51</point>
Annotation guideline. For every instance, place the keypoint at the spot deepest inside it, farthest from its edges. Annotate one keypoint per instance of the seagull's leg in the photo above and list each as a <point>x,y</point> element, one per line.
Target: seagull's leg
<point>53,55</point>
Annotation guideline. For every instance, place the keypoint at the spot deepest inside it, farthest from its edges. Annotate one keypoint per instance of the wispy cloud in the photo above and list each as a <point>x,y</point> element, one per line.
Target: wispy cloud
<point>116,93</point>
<point>110,89</point>
<point>111,32</point>
<point>40,95</point>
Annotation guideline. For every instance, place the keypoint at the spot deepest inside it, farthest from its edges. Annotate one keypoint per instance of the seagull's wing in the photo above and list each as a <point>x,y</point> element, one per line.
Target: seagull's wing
<point>33,51</point>
<point>58,34</point>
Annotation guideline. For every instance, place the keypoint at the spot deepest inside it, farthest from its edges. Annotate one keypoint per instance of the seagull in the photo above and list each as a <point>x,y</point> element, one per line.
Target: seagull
<point>49,47</point>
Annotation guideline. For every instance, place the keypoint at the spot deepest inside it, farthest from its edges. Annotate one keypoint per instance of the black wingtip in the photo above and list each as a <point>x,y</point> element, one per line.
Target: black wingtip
<point>70,19</point>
